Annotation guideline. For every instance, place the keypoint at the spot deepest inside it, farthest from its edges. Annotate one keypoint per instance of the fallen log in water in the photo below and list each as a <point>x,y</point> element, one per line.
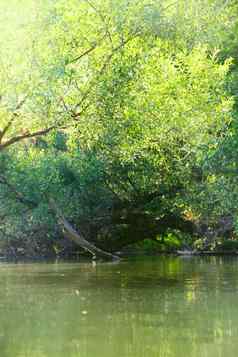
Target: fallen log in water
<point>76,237</point>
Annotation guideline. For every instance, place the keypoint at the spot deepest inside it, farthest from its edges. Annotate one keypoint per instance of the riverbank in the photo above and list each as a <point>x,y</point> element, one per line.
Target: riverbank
<point>84,256</point>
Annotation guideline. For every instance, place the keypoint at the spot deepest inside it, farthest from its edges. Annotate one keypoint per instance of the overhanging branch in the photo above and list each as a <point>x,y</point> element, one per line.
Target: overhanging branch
<point>27,135</point>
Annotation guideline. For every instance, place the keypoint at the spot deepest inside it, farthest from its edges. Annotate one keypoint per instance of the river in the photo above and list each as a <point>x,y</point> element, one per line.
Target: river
<point>144,307</point>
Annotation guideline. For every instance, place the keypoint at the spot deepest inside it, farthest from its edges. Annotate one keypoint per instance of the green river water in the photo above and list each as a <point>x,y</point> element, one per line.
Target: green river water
<point>163,306</point>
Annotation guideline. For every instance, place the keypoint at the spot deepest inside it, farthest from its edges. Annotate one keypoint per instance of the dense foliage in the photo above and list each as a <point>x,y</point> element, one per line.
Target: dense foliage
<point>124,112</point>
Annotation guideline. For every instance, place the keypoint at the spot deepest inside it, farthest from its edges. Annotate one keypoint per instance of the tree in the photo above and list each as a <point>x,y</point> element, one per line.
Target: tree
<point>126,107</point>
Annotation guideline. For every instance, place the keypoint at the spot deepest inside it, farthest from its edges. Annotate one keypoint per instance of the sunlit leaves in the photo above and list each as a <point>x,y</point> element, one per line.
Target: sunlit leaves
<point>135,93</point>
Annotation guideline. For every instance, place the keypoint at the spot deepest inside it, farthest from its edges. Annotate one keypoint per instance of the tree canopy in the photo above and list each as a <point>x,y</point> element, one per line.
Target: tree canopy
<point>124,112</point>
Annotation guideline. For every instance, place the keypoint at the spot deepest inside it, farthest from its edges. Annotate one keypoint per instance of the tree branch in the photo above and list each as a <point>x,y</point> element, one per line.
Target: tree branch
<point>76,237</point>
<point>4,130</point>
<point>76,59</point>
<point>18,195</point>
<point>10,122</point>
<point>103,19</point>
<point>18,138</point>
<point>76,114</point>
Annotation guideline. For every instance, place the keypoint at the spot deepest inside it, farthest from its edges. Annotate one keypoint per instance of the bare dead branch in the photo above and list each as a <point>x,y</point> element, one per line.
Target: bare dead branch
<point>76,237</point>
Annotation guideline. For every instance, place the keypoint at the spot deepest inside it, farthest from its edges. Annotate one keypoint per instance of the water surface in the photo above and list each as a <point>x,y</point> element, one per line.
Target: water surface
<point>183,307</point>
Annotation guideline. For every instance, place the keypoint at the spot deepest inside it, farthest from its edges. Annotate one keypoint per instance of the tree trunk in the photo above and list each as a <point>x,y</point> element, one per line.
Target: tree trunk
<point>76,237</point>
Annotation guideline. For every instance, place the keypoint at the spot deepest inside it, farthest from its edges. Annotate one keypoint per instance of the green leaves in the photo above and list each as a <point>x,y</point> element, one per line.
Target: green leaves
<point>133,94</point>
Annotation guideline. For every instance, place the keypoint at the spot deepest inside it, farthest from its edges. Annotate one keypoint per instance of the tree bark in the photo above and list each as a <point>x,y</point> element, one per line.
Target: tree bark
<point>76,237</point>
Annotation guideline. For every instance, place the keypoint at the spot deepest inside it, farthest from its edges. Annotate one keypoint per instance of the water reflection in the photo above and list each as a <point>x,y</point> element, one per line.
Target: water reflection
<point>142,308</point>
